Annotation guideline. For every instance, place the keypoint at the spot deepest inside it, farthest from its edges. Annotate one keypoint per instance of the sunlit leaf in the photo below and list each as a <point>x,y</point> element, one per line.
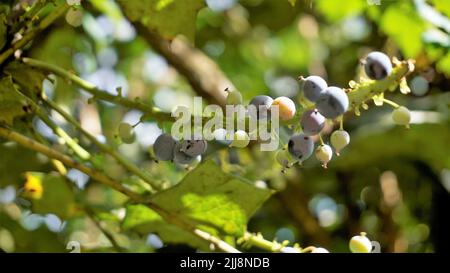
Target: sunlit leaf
<point>168,18</point>
<point>405,27</point>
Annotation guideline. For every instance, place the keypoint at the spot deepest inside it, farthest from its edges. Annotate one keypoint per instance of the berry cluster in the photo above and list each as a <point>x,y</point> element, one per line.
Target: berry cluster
<point>327,103</point>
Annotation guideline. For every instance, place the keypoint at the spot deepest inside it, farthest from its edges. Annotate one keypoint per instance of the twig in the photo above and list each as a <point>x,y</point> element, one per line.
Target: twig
<point>46,22</point>
<point>202,73</point>
<point>103,147</point>
<point>135,197</point>
<point>148,110</point>
<point>52,153</point>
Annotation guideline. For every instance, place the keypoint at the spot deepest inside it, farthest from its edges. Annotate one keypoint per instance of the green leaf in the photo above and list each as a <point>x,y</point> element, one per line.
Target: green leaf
<point>443,65</point>
<point>405,27</point>
<point>338,10</point>
<point>29,79</point>
<point>443,6</point>
<point>143,220</point>
<point>292,2</point>
<point>166,17</point>
<point>57,197</point>
<point>207,197</point>
<point>12,104</point>
<point>3,30</point>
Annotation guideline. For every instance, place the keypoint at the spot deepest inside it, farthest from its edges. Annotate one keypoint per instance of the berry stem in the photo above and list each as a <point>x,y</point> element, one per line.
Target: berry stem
<point>46,22</point>
<point>103,147</point>
<point>148,110</point>
<point>321,139</point>
<point>391,103</point>
<point>103,179</point>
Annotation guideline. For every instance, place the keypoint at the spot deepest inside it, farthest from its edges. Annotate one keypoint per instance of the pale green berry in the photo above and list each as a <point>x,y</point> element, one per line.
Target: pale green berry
<point>240,139</point>
<point>401,116</point>
<point>360,244</point>
<point>324,153</point>
<point>234,98</point>
<point>320,250</point>
<point>126,133</point>
<point>339,139</point>
<point>74,17</point>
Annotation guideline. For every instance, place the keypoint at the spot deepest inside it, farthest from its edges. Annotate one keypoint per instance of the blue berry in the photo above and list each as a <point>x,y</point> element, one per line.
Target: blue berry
<point>313,86</point>
<point>301,146</point>
<point>264,102</point>
<point>312,122</point>
<point>163,147</point>
<point>332,103</point>
<point>377,65</point>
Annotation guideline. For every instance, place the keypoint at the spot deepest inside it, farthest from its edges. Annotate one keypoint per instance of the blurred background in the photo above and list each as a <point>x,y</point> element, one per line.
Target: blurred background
<point>390,182</point>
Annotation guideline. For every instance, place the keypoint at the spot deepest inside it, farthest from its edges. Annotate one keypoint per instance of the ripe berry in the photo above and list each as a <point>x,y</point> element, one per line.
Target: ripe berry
<point>332,103</point>
<point>163,147</point>
<point>312,122</point>
<point>194,147</point>
<point>313,86</point>
<point>126,133</point>
<point>240,139</point>
<point>360,244</point>
<point>264,102</point>
<point>324,153</point>
<point>401,116</point>
<point>377,65</point>
<point>419,86</point>
<point>286,107</point>
<point>234,97</point>
<point>301,146</point>
<point>339,140</point>
<point>180,157</point>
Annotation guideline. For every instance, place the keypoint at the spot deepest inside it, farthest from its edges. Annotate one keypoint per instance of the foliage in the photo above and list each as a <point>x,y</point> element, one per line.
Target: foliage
<point>64,89</point>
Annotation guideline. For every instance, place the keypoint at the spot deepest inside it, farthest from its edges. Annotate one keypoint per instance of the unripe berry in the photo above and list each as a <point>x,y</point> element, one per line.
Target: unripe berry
<point>320,250</point>
<point>360,244</point>
<point>324,153</point>
<point>234,97</point>
<point>401,116</point>
<point>339,139</point>
<point>286,107</point>
<point>240,139</point>
<point>126,133</point>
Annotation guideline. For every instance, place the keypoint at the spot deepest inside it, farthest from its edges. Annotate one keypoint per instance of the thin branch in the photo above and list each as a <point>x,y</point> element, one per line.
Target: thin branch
<point>62,170</point>
<point>203,74</point>
<point>135,197</point>
<point>52,153</point>
<point>28,37</point>
<point>103,147</point>
<point>148,110</point>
